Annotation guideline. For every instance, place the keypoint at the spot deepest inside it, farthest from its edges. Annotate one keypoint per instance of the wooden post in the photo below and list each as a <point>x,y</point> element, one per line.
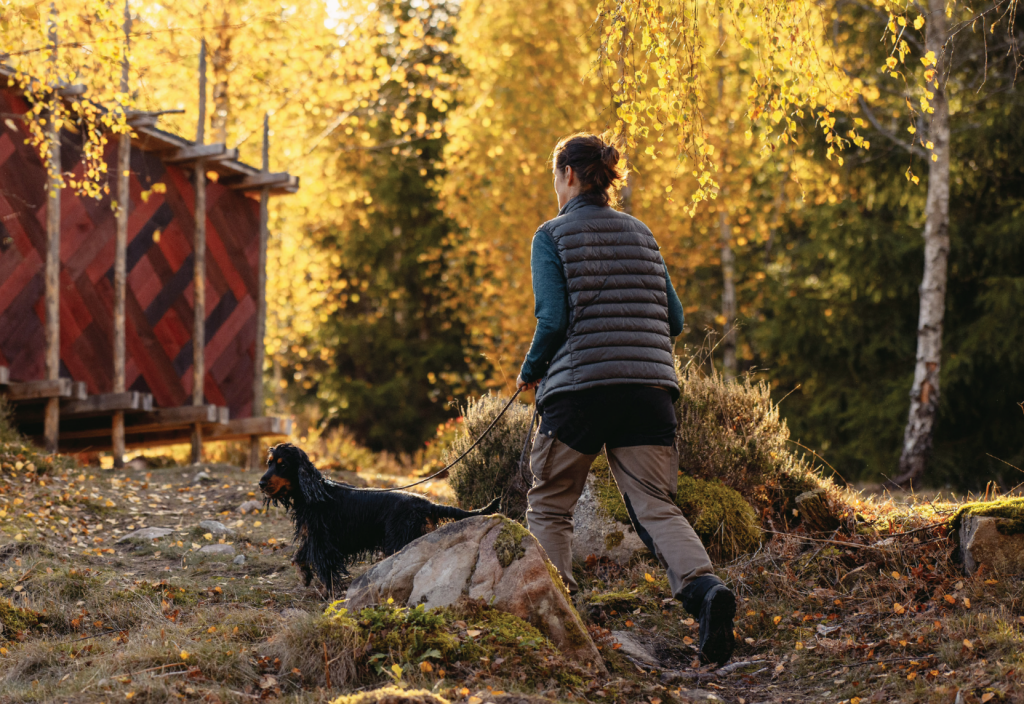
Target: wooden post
<point>51,423</point>
<point>124,151</point>
<point>255,454</point>
<point>199,269</point>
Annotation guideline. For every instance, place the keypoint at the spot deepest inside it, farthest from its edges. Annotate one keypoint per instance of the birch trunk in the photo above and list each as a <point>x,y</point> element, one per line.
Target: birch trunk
<point>924,395</point>
<point>728,300</point>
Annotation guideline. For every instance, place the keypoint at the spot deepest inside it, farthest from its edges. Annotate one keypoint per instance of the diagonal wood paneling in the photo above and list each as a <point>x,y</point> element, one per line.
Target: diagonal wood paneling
<point>159,296</point>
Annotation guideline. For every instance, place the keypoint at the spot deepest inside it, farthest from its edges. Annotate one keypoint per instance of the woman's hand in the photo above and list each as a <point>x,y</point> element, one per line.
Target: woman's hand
<point>524,385</point>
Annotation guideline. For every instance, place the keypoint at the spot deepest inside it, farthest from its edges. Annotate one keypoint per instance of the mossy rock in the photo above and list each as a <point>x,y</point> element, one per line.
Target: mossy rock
<point>721,517</point>
<point>509,544</point>
<point>1012,510</point>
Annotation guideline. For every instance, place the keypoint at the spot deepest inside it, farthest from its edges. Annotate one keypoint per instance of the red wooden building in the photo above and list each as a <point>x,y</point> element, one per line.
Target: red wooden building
<point>156,403</point>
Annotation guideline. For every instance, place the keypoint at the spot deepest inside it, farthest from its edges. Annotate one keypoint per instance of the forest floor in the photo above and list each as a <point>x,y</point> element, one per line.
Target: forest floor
<point>881,616</point>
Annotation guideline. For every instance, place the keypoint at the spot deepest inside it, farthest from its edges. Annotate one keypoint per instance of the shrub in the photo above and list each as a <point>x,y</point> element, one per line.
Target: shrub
<point>731,431</point>
<point>492,468</point>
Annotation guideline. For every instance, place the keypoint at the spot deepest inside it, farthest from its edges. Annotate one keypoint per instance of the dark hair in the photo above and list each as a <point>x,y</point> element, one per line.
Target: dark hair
<point>595,162</point>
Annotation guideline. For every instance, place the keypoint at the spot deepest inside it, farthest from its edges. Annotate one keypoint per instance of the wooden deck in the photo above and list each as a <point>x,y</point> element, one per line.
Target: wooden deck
<point>85,420</point>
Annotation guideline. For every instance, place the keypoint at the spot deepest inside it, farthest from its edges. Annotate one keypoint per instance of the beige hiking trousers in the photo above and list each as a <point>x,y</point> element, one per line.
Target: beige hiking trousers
<point>646,476</point>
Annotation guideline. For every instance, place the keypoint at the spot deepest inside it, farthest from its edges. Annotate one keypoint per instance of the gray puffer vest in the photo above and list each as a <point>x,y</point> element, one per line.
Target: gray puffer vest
<point>618,305</point>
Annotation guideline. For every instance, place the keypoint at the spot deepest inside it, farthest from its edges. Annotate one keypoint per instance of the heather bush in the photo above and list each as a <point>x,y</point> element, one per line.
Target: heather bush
<point>492,468</point>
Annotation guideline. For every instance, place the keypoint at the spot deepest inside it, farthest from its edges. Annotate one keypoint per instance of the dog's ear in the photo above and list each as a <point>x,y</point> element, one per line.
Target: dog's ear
<point>311,482</point>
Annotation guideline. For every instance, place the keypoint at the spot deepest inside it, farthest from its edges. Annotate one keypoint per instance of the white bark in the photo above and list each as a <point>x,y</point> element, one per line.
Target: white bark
<point>924,395</point>
<point>728,300</point>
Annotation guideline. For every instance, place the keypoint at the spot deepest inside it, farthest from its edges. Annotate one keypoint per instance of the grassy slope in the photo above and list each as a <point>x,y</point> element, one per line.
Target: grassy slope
<point>159,622</point>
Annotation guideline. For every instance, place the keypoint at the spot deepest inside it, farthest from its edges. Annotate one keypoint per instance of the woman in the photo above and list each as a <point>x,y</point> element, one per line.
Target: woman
<point>602,364</point>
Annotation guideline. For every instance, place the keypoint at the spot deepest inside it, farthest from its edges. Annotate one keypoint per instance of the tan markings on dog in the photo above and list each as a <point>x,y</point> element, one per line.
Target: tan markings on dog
<point>277,484</point>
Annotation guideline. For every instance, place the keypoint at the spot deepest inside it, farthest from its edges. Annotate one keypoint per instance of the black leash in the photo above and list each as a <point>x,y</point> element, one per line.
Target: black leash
<point>470,448</point>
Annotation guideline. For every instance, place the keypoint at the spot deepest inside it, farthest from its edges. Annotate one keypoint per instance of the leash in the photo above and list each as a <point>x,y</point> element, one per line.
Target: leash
<point>470,448</point>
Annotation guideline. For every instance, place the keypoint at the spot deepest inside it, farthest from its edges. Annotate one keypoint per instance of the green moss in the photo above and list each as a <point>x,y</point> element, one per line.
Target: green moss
<point>616,600</point>
<point>608,496</point>
<point>724,521</point>
<point>722,518</point>
<point>1010,509</point>
<point>508,545</point>
<point>614,540</point>
<point>385,635</point>
<point>16,619</point>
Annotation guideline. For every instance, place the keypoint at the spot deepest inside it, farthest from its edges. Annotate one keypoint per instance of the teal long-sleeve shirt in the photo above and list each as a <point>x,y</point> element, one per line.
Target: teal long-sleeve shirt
<point>551,307</point>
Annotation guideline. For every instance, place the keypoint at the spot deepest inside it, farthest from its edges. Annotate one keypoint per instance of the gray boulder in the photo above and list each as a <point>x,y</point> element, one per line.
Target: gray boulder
<point>217,549</point>
<point>993,542</point>
<point>484,557</point>
<point>215,527</point>
<point>250,506</point>
<point>597,532</point>
<point>146,534</point>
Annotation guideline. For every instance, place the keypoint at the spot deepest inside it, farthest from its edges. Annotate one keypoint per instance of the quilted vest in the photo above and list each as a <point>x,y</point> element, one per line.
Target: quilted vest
<point>618,305</point>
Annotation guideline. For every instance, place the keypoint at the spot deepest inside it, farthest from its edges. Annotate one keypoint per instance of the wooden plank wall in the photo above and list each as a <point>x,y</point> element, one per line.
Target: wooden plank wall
<point>159,296</point>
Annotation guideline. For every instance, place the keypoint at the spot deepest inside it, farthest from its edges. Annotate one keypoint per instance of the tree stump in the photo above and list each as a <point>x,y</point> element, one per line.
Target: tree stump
<point>813,510</point>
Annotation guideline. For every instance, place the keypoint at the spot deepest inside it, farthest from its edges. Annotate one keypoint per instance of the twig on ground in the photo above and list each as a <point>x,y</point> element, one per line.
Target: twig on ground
<point>327,666</point>
<point>732,667</point>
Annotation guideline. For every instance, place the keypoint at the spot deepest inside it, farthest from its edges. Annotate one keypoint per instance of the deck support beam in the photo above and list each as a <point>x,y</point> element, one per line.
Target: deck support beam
<point>255,446</point>
<point>199,269</point>
<point>52,279</point>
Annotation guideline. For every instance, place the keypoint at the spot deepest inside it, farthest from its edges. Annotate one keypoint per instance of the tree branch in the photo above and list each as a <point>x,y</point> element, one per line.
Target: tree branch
<point>911,148</point>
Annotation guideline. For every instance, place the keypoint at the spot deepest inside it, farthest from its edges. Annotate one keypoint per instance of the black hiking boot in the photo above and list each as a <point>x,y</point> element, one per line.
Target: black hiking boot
<point>717,611</point>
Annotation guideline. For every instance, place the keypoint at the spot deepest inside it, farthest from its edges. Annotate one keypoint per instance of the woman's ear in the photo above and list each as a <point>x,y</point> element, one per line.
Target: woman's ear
<point>311,482</point>
<point>570,177</point>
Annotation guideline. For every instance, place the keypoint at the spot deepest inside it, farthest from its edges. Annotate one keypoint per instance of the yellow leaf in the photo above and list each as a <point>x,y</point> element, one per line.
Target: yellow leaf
<point>183,655</point>
<point>110,504</point>
<point>911,130</point>
<point>928,59</point>
<point>968,644</point>
<point>208,536</point>
<point>776,620</point>
<point>987,696</point>
<point>898,608</point>
<point>950,599</point>
<point>931,145</point>
<point>967,602</point>
<point>799,645</point>
<point>891,62</point>
<point>648,577</point>
<point>919,22</point>
<point>426,668</point>
<point>912,676</point>
<point>397,669</point>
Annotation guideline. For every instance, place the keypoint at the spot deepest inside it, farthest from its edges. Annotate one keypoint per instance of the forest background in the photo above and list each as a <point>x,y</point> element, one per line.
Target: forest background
<point>398,276</point>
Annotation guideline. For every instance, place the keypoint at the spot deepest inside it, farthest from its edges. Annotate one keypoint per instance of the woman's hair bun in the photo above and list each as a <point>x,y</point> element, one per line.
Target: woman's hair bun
<point>595,162</point>
<point>610,156</point>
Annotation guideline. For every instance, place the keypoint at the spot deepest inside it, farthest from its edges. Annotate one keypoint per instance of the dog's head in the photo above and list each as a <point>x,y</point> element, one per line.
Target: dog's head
<point>291,477</point>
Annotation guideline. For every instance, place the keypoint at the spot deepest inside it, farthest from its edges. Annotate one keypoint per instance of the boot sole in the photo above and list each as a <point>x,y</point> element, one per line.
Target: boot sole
<point>719,643</point>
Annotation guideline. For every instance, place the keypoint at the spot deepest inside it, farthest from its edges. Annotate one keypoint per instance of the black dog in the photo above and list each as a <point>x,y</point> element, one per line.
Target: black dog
<point>335,523</point>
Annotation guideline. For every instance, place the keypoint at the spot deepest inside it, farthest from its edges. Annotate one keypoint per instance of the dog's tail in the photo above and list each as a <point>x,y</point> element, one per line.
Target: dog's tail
<point>458,513</point>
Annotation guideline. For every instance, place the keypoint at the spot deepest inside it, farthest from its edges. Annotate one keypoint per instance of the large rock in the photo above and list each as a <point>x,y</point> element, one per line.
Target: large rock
<point>484,557</point>
<point>598,532</point>
<point>996,542</point>
<point>216,528</point>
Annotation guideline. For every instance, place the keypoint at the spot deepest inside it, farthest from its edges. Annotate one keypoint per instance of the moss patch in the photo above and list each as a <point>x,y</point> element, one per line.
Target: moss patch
<point>509,544</point>
<point>614,540</point>
<point>722,518</point>
<point>16,619</point>
<point>367,646</point>
<point>608,496</point>
<point>1010,509</point>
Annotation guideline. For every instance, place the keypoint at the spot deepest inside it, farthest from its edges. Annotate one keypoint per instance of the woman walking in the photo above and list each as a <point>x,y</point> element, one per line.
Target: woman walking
<point>602,364</point>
